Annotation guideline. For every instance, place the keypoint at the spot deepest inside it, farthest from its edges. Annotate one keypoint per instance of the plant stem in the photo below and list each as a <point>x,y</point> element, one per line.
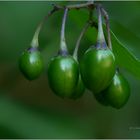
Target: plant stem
<point>89,4</point>
<point>79,40</point>
<point>107,27</point>
<point>63,46</point>
<point>100,37</point>
<point>88,23</point>
<point>34,42</point>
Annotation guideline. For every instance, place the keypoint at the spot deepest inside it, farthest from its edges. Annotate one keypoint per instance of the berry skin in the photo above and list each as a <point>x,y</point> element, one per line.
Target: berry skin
<point>97,68</point>
<point>31,63</point>
<point>117,94</point>
<point>63,75</point>
<point>79,90</point>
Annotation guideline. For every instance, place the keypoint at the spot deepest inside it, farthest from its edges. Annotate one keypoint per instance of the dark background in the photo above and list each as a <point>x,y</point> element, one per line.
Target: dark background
<point>30,109</point>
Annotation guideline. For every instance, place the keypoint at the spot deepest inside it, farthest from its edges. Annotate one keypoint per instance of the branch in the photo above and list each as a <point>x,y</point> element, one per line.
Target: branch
<point>89,4</point>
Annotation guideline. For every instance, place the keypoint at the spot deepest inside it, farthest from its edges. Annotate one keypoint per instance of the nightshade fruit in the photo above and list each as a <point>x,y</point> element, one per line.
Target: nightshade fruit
<point>97,68</point>
<point>63,74</point>
<point>31,63</point>
<point>79,90</point>
<point>98,63</point>
<point>117,94</point>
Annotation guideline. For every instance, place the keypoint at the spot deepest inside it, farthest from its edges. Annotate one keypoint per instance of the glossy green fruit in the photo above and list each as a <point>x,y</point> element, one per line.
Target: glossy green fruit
<point>63,75</point>
<point>117,94</point>
<point>97,68</point>
<point>101,99</point>
<point>31,63</point>
<point>79,90</point>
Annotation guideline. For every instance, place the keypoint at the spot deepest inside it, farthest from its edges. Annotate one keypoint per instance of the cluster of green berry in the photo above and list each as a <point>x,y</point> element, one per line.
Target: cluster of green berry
<point>69,77</point>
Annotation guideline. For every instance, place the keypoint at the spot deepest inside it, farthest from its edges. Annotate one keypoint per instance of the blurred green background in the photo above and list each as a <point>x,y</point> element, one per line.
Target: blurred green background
<point>30,109</point>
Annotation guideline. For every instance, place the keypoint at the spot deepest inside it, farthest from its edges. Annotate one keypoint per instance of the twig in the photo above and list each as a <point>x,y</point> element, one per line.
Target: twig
<point>89,4</point>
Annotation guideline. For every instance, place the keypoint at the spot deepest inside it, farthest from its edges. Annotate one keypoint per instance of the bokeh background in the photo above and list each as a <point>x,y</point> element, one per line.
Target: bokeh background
<point>30,109</point>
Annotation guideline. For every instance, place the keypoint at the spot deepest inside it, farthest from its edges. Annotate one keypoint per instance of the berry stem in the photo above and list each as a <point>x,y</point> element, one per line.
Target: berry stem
<point>107,27</point>
<point>86,26</point>
<point>79,40</point>
<point>100,37</point>
<point>34,42</point>
<point>63,46</point>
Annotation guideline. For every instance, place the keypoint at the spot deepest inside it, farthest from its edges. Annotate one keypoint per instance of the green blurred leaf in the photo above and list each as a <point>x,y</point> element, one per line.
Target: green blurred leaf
<point>124,57</point>
<point>18,120</point>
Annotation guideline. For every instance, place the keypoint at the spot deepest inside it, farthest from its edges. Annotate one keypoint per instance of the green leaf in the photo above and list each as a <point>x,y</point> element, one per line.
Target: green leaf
<point>124,57</point>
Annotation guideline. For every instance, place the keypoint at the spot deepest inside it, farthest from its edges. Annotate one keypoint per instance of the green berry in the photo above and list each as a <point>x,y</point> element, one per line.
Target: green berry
<point>117,94</point>
<point>31,63</point>
<point>63,75</point>
<point>97,68</point>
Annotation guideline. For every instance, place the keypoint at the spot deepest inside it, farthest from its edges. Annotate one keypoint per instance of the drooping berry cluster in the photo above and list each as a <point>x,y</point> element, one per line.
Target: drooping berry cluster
<point>67,77</point>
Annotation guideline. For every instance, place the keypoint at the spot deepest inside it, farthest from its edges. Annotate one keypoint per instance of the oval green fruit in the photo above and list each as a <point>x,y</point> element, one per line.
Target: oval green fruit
<point>117,94</point>
<point>31,63</point>
<point>63,75</point>
<point>97,68</point>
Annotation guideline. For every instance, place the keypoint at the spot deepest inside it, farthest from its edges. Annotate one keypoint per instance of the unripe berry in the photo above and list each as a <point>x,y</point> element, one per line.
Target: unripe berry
<point>31,63</point>
<point>97,68</point>
<point>63,75</point>
<point>117,94</point>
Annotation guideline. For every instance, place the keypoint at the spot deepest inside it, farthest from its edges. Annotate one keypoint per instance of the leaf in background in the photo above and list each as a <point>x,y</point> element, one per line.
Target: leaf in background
<point>126,37</point>
<point>18,120</point>
<point>124,57</point>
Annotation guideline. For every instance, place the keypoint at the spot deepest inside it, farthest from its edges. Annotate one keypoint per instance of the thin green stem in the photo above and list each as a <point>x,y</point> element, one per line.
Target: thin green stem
<point>35,42</point>
<point>100,37</point>
<point>107,27</point>
<point>63,46</point>
<point>88,23</point>
<point>79,39</point>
